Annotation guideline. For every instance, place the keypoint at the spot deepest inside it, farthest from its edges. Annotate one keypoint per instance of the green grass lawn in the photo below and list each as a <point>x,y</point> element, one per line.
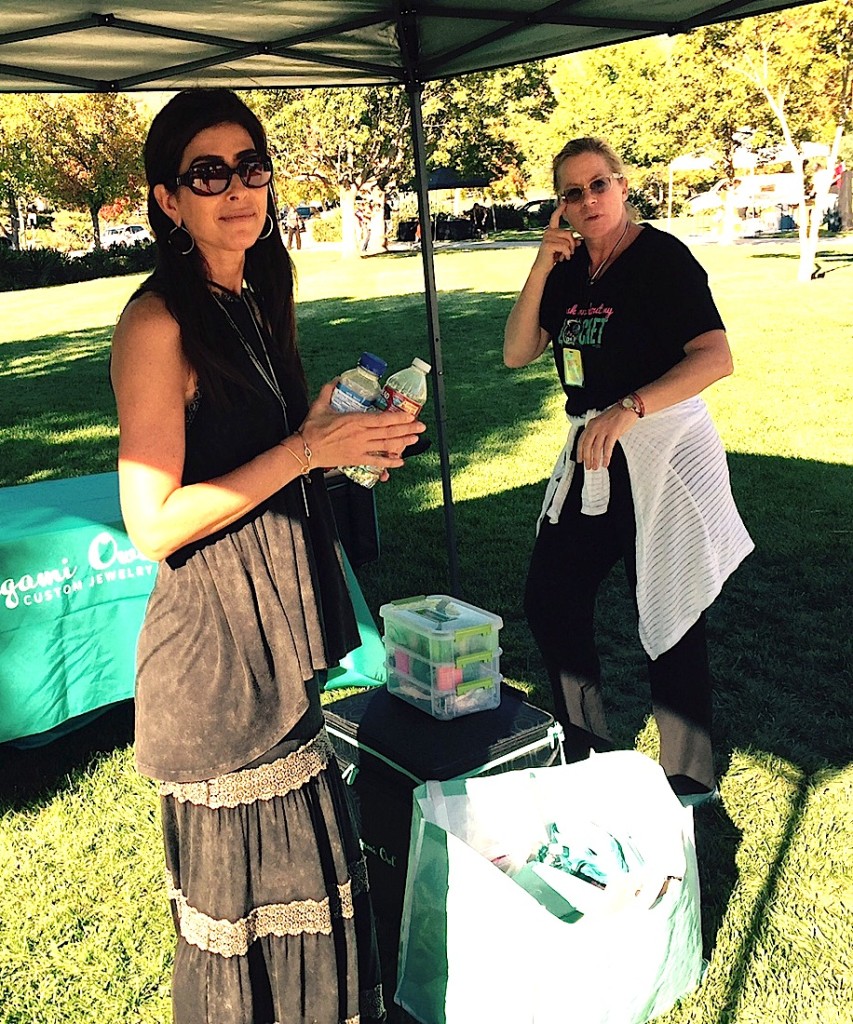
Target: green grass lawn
<point>84,928</point>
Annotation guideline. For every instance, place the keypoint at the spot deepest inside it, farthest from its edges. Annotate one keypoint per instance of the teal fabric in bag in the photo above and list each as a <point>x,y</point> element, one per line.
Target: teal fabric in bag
<point>476,945</point>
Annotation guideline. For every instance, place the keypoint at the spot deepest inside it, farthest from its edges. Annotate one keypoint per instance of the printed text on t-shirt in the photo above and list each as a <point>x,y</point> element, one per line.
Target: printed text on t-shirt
<point>584,326</point>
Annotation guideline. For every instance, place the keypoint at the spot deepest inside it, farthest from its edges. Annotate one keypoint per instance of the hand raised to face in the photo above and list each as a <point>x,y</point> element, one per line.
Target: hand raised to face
<point>558,243</point>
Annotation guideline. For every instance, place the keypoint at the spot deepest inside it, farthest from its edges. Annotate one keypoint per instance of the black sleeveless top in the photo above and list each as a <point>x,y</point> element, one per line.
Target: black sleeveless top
<point>240,621</point>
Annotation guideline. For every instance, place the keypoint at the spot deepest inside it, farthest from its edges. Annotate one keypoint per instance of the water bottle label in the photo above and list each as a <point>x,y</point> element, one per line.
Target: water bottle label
<point>397,400</point>
<point>366,476</point>
<point>344,399</point>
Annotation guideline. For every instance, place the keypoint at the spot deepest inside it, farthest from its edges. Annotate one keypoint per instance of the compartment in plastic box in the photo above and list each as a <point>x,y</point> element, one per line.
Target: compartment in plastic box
<point>439,628</point>
<point>443,676</point>
<point>476,694</point>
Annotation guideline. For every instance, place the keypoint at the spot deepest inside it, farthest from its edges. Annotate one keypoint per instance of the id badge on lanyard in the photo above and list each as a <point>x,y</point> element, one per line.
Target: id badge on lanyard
<point>572,367</point>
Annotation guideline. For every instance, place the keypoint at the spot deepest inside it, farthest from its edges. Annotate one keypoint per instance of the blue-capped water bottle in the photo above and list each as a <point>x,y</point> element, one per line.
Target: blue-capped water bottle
<point>357,391</point>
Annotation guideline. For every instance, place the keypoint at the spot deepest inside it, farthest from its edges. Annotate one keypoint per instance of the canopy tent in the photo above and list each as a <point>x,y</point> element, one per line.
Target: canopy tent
<point>127,45</point>
<point>447,178</point>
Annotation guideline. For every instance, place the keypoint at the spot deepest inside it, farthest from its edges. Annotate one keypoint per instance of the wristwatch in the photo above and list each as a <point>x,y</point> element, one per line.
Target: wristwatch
<point>634,403</point>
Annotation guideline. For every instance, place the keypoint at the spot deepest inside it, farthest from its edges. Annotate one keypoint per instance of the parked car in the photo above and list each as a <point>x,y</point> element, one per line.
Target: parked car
<point>712,199</point>
<point>751,192</point>
<point>538,212</point>
<point>124,234</point>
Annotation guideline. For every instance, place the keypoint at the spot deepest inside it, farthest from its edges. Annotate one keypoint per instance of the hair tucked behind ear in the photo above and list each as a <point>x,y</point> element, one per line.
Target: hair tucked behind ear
<point>602,148</point>
<point>587,144</point>
<point>182,280</point>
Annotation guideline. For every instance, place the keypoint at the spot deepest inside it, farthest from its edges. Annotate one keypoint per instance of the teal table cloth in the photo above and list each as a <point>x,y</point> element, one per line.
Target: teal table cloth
<point>73,591</point>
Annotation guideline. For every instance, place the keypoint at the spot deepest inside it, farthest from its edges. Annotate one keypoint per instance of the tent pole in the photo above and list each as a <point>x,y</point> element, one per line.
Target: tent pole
<point>431,295</point>
<point>669,201</point>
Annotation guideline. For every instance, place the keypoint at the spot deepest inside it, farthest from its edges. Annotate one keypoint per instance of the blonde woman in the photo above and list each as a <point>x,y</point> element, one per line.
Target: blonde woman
<point>636,337</point>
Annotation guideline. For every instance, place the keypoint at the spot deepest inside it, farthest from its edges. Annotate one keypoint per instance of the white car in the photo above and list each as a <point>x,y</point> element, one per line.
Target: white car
<point>125,234</point>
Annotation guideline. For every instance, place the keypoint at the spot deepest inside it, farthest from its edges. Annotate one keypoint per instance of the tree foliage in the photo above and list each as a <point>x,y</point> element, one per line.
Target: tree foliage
<point>354,142</point>
<point>88,151</point>
<point>661,98</point>
<point>17,170</point>
<point>473,124</point>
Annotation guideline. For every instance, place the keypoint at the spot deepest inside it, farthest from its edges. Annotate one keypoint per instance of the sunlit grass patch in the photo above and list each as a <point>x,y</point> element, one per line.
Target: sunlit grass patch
<point>85,933</point>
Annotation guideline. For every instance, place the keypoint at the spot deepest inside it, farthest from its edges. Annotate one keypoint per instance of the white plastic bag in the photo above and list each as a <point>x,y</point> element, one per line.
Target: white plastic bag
<point>477,946</point>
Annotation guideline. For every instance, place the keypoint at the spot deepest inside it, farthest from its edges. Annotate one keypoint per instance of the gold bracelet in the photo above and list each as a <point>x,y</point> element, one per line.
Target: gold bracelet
<point>305,449</point>
<point>304,467</point>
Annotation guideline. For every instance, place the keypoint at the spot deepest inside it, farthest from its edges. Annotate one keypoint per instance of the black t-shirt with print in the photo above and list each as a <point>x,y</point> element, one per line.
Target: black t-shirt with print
<point>629,327</point>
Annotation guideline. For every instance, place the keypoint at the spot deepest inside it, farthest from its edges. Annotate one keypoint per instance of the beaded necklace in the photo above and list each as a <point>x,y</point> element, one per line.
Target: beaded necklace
<point>592,278</point>
<point>265,369</point>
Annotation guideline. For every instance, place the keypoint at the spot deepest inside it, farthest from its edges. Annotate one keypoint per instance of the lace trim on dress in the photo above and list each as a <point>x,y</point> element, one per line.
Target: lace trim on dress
<point>358,877</point>
<point>265,782</point>
<point>372,1003</point>
<point>233,938</point>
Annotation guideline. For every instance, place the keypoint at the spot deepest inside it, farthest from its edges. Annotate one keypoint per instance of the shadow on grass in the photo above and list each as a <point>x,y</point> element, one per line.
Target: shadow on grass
<point>752,929</point>
<point>779,634</point>
<point>839,259</point>
<point>52,387</point>
<point>32,776</point>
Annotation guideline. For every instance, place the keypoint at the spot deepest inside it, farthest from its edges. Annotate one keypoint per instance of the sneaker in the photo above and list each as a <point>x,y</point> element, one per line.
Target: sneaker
<point>710,796</point>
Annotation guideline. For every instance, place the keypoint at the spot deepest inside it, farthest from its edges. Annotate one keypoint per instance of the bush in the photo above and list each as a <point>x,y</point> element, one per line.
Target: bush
<point>40,268</point>
<point>32,268</point>
<point>508,218</point>
<point>647,204</point>
<point>326,228</point>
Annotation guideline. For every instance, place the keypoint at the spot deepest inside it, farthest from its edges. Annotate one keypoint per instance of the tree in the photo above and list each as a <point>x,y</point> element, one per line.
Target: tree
<point>89,151</point>
<point>16,159</point>
<point>473,124</point>
<point>357,142</point>
<point>346,142</point>
<point>800,63</point>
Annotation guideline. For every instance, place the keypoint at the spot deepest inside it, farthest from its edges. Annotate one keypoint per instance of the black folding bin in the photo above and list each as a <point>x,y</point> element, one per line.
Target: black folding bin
<point>354,509</point>
<point>385,748</point>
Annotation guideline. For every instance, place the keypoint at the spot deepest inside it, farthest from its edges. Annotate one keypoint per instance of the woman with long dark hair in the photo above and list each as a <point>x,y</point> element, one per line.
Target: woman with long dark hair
<point>220,472</point>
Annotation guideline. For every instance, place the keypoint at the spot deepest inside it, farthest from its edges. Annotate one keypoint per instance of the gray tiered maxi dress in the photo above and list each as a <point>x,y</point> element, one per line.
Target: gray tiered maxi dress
<point>263,867</point>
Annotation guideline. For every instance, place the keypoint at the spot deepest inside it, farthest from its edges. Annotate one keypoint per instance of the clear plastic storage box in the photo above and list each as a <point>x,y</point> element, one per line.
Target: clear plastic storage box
<point>442,655</point>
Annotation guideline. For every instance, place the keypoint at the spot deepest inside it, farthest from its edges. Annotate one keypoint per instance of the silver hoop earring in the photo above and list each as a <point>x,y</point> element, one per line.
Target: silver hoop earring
<point>269,230</point>
<point>182,252</point>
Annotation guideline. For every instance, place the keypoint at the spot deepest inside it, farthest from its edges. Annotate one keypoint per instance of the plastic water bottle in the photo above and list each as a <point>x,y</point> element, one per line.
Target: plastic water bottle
<point>407,388</point>
<point>359,390</point>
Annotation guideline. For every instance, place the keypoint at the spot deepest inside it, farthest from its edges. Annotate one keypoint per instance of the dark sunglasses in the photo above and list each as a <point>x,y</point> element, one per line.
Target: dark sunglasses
<point>212,179</point>
<point>597,187</point>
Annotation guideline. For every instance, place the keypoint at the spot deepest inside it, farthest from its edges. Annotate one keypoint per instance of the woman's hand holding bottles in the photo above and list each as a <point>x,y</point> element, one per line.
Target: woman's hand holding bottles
<point>353,439</point>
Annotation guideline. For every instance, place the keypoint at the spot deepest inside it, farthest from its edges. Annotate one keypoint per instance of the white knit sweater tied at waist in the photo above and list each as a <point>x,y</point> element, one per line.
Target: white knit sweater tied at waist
<point>690,537</point>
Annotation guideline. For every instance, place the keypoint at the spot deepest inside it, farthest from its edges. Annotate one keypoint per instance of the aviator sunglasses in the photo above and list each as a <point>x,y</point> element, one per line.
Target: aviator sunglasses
<point>597,187</point>
<point>214,177</point>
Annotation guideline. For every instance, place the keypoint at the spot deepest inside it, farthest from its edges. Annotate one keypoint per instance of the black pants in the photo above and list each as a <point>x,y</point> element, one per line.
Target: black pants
<point>570,560</point>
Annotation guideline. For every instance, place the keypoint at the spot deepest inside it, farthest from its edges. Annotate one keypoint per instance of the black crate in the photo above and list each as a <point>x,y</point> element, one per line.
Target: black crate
<point>354,508</point>
<point>385,748</point>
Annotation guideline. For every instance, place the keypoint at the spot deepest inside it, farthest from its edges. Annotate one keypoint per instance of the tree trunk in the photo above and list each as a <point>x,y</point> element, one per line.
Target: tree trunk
<point>349,224</point>
<point>96,227</point>
<point>806,264</point>
<point>378,241</point>
<point>822,182</point>
<point>14,221</point>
